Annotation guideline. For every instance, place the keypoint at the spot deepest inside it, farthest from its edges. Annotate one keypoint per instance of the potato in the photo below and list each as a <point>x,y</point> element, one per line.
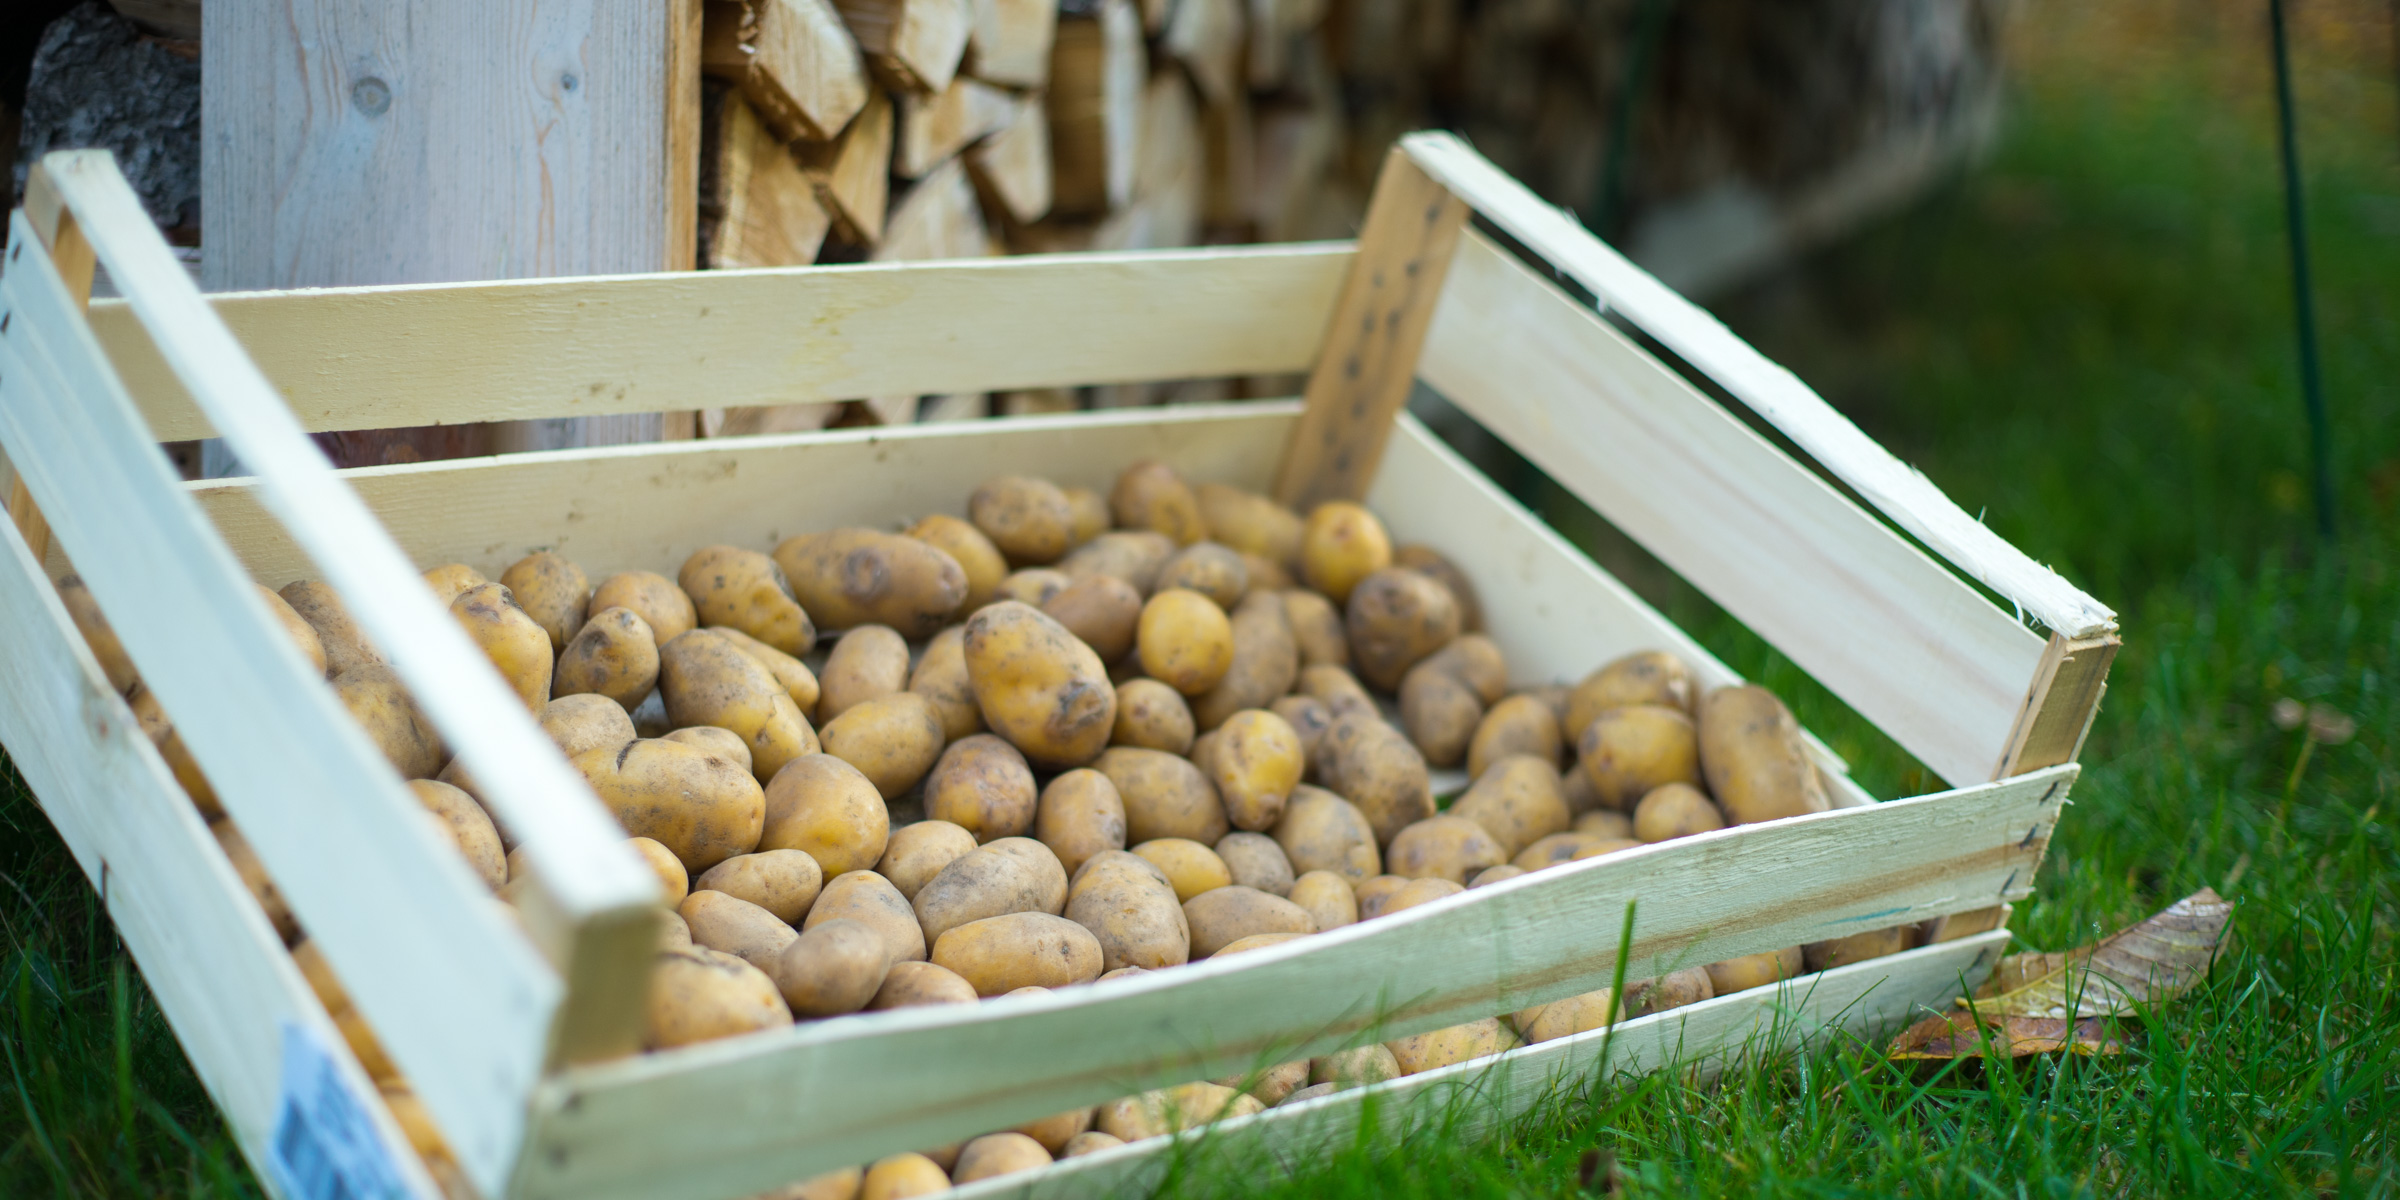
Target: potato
<point>782,882</point>
<point>1755,970</point>
<point>1857,948</point>
<point>1603,823</point>
<point>724,743</point>
<point>97,634</point>
<point>1021,949</point>
<point>1308,717</point>
<point>705,679</point>
<point>912,984</point>
<point>1039,686</point>
<point>452,580</point>
<point>1555,849</point>
<point>1427,561</point>
<point>1255,764</point>
<point>982,785</point>
<point>1374,893</point>
<point>982,561</point>
<point>1606,846</point>
<point>1164,796</point>
<point>1318,630</point>
<point>1134,556</point>
<point>1033,585</point>
<point>1255,941</point>
<point>468,827</point>
<point>1490,875</point>
<point>656,598</point>
<point>672,932</point>
<point>1668,992</point>
<point>1449,1047</point>
<point>1270,1084</point>
<point>674,882</point>
<point>1265,663</point>
<point>697,805</point>
<point>1029,520</point>
<point>744,589</point>
<point>1173,1110</point>
<point>304,638</point>
<point>613,655</point>
<point>1646,677</point>
<point>1255,861</point>
<point>1416,892</point>
<point>1152,716</point>
<point>1267,575</point>
<point>1130,908</point>
<point>1320,831</point>
<point>1517,801</point>
<point>699,995</point>
<point>1394,618</point>
<point>1583,797</point>
<point>1079,815</point>
<point>1326,897</point>
<point>1337,689</point>
<point>1225,915</point>
<point>1520,724</point>
<point>1103,610</point>
<point>1440,712</point>
<point>872,901</point>
<point>797,680</point>
<point>154,724</point>
<point>867,663</point>
<point>1630,751</point>
<point>737,927</point>
<point>1150,495</point>
<point>1359,1067</point>
<point>1010,875</point>
<point>1756,762</point>
<point>1058,1129</point>
<point>916,853</point>
<point>1676,810</point>
<point>1190,867</point>
<point>1580,1013</point>
<point>894,740</point>
<point>849,577</point>
<point>553,591</point>
<point>1341,544</point>
<point>253,875</point>
<point>1184,640</point>
<point>902,1176</point>
<point>997,1154</point>
<point>1089,1142</point>
<point>1211,569</point>
<point>829,810</point>
<point>843,1184</point>
<point>345,644</point>
<point>1250,522</point>
<point>1375,767</point>
<point>1443,847</point>
<point>382,706</point>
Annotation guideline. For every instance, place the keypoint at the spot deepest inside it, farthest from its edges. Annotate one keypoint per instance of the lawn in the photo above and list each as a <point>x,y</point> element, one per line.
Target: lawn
<point>2088,339</point>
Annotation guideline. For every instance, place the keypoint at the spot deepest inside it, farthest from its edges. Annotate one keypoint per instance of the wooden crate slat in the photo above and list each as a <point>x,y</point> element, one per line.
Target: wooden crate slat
<point>740,1115</point>
<point>1892,632</point>
<point>371,358</point>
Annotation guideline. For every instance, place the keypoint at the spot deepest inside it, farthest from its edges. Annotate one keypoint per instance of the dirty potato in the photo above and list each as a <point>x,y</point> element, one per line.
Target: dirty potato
<point>1604,822</point>
<point>1308,717</point>
<point>1646,677</point>
<point>1150,495</point>
<point>997,1154</point>
<point>794,675</point>
<point>914,984</point>
<point>552,590</point>
<point>1133,555</point>
<point>918,852</point>
<point>941,676</point>
<point>705,679</point>
<point>1030,520</point>
<point>1022,949</point>
<point>1491,875</point>
<point>1152,716</point>
<point>1676,810</point>
<point>745,590</point>
<point>1225,915</point>
<point>1521,724</point>
<point>698,995</point>
<point>674,882</point>
<point>1131,910</point>
<point>697,805</point>
<point>901,1176</point>
<point>613,655</point>
<point>848,577</point>
<point>1320,831</point>
<point>1416,892</point>
<point>382,706</point>
<point>1858,947</point>
<point>303,636</point>
<point>1255,861</point>
<point>1058,1129</point>
<point>468,827</point>
<point>450,580</point>
<point>1184,640</point>
<point>1575,1014</point>
<point>516,646</point>
<point>1103,610</point>
<point>1164,796</point>
<point>338,634</point>
<point>1443,847</point>
<point>1440,712</point>
<point>1428,561</point>
<point>1327,898</point>
<point>1011,875</point>
<point>1755,970</point>
<point>982,785</point>
<point>1038,685</point>
<point>1518,800</point>
<point>834,968</point>
<point>1631,750</point>
<point>1337,689</point>
<point>1394,618</point>
<point>1173,1110</point>
<point>1266,661</point>
<point>872,901</point>
<point>1256,763</point>
<point>1079,815</point>
<point>1318,630</point>
<point>868,663</point>
<point>737,927</point>
<point>660,602</point>
<point>783,882</point>
<point>1374,894</point>
<point>1190,867</point>
<point>894,740</point>
<point>1756,763</point>
<point>1341,544</point>
<point>975,554</point>
<point>1673,990</point>
<point>1033,585</point>
<point>1449,1047</point>
<point>1377,769</point>
<point>1556,848</point>
<point>1213,570</point>
<point>580,723</point>
<point>1250,522</point>
<point>829,810</point>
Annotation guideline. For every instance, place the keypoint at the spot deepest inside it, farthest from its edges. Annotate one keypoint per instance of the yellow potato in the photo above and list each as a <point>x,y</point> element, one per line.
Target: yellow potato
<point>1337,689</point>
<point>1377,769</point>
<point>1416,892</point>
<point>1134,556</point>
<point>1373,894</point>
<point>744,589</point>
<point>1320,831</point>
<point>344,643</point>
<point>580,723</point>
<point>848,577</point>
<point>553,591</point>
<point>115,663</point>
<point>1580,1013</point>
<point>1676,810</point>
<point>1269,1084</point>
<point>737,927</point>
<point>724,743</point>
<point>902,1176</point>
<point>1440,712</point>
<point>894,740</point>
<point>982,785</point>
<point>797,680</point>
<point>253,874</point>
<point>912,984</point>
<point>1673,990</point>
<point>382,706</point>
<point>1555,849</point>
<point>1396,617</point>
<point>1256,941</point>
<point>1521,724</point>
<point>1033,585</point>
<point>1755,970</point>
<point>613,655</point>
<point>1152,716</point>
<point>1629,751</point>
<point>1173,1110</point>
<point>941,676</point>
<point>868,663</point>
<point>303,636</point>
<point>672,932</point>
<point>1308,717</point>
<point>1443,847</point>
<point>1103,610</point>
<point>1211,569</point>
<point>699,995</point>
<point>1190,867</point>
<point>829,810</point>
<point>1150,495</point>
<point>1255,861</point>
<point>1265,664</point>
<point>1091,514</point>
<point>997,1154</point>
<point>1449,1047</point>
<point>1341,544</point>
<point>1327,898</point>
<point>1078,815</point>
<point>1756,763</point>
<point>705,679</point>
<point>516,646</point>
<point>1255,764</point>
<point>1428,561</point>
<point>976,555</point>
<point>452,580</point>
<point>657,599</point>
<point>467,827</point>
<point>1646,677</point>
<point>1267,575</point>
<point>674,882</point>
<point>1022,949</point>
<point>1517,800</point>
<point>1038,685</point>
<point>872,901</point>
<point>918,852</point>
<point>1222,916</point>
<point>1011,875</point>
<point>1318,631</point>
<point>1490,875</point>
<point>1360,1067</point>
<point>1089,1142</point>
<point>1857,948</point>
<point>1132,910</point>
<point>1030,520</point>
<point>154,724</point>
<point>1583,797</point>
<point>697,805</point>
<point>1058,1129</point>
<point>782,882</point>
<point>1250,522</point>
<point>1164,796</point>
<point>1184,640</point>
<point>1604,823</point>
<point>1603,847</point>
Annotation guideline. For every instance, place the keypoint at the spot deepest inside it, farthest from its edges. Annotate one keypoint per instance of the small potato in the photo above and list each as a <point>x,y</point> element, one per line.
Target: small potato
<point>1647,677</point>
<point>1337,689</point>
<point>1267,575</point>
<point>1152,716</point>
<point>1091,513</point>
<point>982,561</point>
<point>674,882</point>
<point>1321,831</point>
<point>1755,970</point>
<point>452,580</point>
<point>589,722</point>
<point>1228,914</point>
<point>1605,847</point>
<point>1327,899</point>
<point>1676,810</point>
<point>102,638</point>
<point>848,577</point>
<point>697,805</point>
<point>1103,610</point>
<point>1630,751</point>
<point>1605,823</point>
<point>1521,724</point>
<point>344,643</point>
<point>894,740</point>
<point>253,874</point>
<point>1449,1047</point>
<point>1039,686</point>
<point>1490,875</point>
<point>1024,949</point>
<point>1256,763</point>
<point>1173,1110</point>
<point>516,646</point>
<point>828,810</point>
<point>1058,1129</point>
<point>1190,867</point>
<point>469,828</point>
<point>1428,561</point>
<point>913,984</point>
<point>613,655</point>
<point>1184,640</point>
<point>1089,1142</point>
<point>1477,662</point>
<point>1440,713</point>
<point>1030,520</point>
<point>1341,544</point>
<point>672,932</point>
<point>1566,1018</point>
<point>1416,892</point>
<point>842,1184</point>
<point>997,1154</point>
<point>868,663</point>
<point>304,637</point>
<point>1271,1084</point>
<point>1857,948</point>
<point>1360,1067</point>
<point>1265,664</point>
<point>1375,893</point>
<point>1011,875</point>
<point>1757,765</point>
<point>1079,815</point>
<point>699,995</point>
<point>1134,556</point>
<point>705,679</point>
<point>982,785</point>
<point>553,591</point>
<point>1673,990</point>
<point>1308,717</point>
<point>724,743</point>
<point>1376,767</point>
<point>1150,495</point>
<point>797,680</point>
<point>782,882</point>
<point>1250,522</point>
<point>1395,618</point>
<point>382,706</point>
<point>745,590</point>
<point>1517,800</point>
<point>1318,630</point>
<point>1132,911</point>
<point>656,598</point>
<point>916,853</point>
<point>737,927</point>
<point>1164,796</point>
<point>1443,847</point>
<point>902,1176</point>
<point>941,676</point>
<point>1256,941</point>
<point>872,901</point>
<point>1255,861</point>
<point>1583,798</point>
<point>1213,570</point>
<point>1033,585</point>
<point>1555,849</point>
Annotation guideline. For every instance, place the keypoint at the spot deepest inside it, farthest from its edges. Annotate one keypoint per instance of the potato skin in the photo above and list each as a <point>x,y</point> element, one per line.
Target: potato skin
<point>1490,875</point>
<point>1132,911</point>
<point>829,810</point>
<point>674,882</point>
<point>1029,520</point>
<point>1318,629</point>
<point>745,590</point>
<point>1223,916</point>
<point>1055,1131</point>
<point>1078,815</point>
<point>1211,569</point>
<point>975,554</point>
<point>1645,677</point>
<point>705,679</point>
<point>661,603</point>
<point>1327,898</point>
<point>1150,495</point>
<point>1010,875</point>
<point>1033,585</point>
<point>1575,1014</point>
<point>1103,610</point>
<point>469,827</point>
<point>382,706</point>
<point>847,577</point>
<point>516,646</point>
<point>1023,949</point>
<point>1374,894</point>
<point>1858,947</point>
<point>1191,868</point>
<point>1337,689</point>
<point>724,743</point>
<point>1377,769</point>
<point>580,723</point>
<point>1426,560</point>
<point>834,968</point>
<point>1266,662</point>
<point>699,995</point>
<point>345,644</point>
<point>1676,810</point>
<point>303,636</point>
<point>1308,717</point>
<point>450,580</point>
<point>872,901</point>
<point>867,663</point>
<point>1185,640</point>
<point>1320,831</point>
<point>737,927</point>
<point>1440,712</point>
<point>894,740</point>
<point>1038,685</point>
<point>782,882</point>
<point>1173,1110</point>
<point>1604,823</point>
<point>552,590</point>
<point>1756,763</point>
<point>918,852</point>
<point>1754,970</point>
<point>1670,991</point>
<point>941,676</point>
<point>1255,764</point>
<point>1256,861</point>
<point>997,1154</point>
<point>914,984</point>
<point>1152,716</point>
<point>1516,799</point>
<point>1359,1067</point>
<point>1554,849</point>
<point>1443,847</point>
<point>982,785</point>
<point>1520,724</point>
<point>1629,751</point>
<point>1416,892</point>
<point>1341,544</point>
<point>901,1176</point>
<point>1164,796</point>
<point>1396,617</point>
<point>1133,555</point>
<point>1090,508</point>
<point>1250,522</point>
<point>697,805</point>
<point>613,655</point>
<point>1448,1047</point>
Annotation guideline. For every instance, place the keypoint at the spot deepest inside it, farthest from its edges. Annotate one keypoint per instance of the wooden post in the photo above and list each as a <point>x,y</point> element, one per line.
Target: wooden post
<point>71,253</point>
<point>1369,357</point>
<point>2061,704</point>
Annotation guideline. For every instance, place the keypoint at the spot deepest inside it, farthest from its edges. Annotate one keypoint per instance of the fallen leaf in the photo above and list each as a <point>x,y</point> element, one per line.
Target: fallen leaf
<point>1963,1034</point>
<point>2149,963</point>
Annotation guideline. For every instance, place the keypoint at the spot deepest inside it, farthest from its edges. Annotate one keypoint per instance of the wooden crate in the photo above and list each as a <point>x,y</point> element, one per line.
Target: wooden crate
<point>520,1046</point>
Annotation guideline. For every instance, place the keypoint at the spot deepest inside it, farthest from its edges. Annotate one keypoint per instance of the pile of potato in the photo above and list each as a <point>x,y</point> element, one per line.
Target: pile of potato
<point>1067,738</point>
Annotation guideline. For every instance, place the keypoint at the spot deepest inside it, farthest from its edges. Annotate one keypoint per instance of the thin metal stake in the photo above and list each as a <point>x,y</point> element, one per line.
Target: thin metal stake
<point>2312,388</point>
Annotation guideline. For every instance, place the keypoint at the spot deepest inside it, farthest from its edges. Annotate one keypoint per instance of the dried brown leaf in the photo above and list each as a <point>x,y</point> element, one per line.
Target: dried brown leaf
<point>1963,1034</point>
<point>2148,963</point>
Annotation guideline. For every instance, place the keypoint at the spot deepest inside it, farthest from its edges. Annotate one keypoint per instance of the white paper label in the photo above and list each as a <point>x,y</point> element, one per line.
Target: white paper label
<point>325,1147</point>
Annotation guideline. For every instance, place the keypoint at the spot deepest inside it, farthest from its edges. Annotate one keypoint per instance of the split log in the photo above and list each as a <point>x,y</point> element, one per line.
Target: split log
<point>1012,167</point>
<point>1097,69</point>
<point>1206,36</point>
<point>933,129</point>
<point>916,45</point>
<point>1231,150</point>
<point>1296,146</point>
<point>1011,40</point>
<point>938,218</point>
<point>757,208</point>
<point>957,406</point>
<point>852,173</point>
<point>793,60</point>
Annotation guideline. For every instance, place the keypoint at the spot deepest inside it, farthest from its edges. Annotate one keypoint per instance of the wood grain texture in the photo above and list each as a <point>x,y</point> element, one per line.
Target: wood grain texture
<point>915,45</point>
<point>1895,634</point>
<point>1011,168</point>
<point>935,127</point>
<point>1097,69</point>
<point>1896,490</point>
<point>1010,43</point>
<point>1206,36</point>
<point>937,219</point>
<point>853,172</point>
<point>794,61</point>
<point>1368,359</point>
<point>71,255</point>
<point>2059,707</point>
<point>759,208</point>
<point>925,1076</point>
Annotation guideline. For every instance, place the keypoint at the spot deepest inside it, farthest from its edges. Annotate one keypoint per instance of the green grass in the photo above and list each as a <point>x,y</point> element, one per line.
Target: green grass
<point>2089,340</point>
